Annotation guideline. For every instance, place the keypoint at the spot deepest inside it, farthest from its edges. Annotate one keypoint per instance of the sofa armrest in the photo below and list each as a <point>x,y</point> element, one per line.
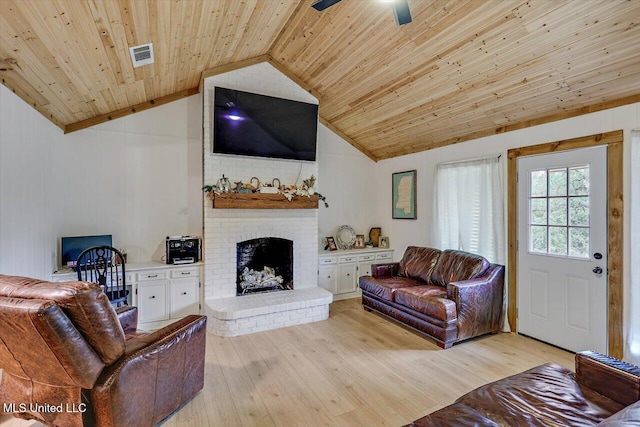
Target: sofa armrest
<point>158,373</point>
<point>385,270</point>
<point>128,317</point>
<point>479,303</point>
<point>613,378</point>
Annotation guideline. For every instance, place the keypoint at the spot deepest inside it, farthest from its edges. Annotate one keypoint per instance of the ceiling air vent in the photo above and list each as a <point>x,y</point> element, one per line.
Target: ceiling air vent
<point>141,55</point>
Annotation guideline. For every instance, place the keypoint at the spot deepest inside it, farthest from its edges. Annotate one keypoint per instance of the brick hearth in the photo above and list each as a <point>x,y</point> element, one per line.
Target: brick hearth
<point>261,312</point>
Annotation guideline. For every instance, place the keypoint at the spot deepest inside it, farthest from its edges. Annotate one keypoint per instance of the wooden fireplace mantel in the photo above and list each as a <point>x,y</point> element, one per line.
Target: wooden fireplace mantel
<point>263,201</point>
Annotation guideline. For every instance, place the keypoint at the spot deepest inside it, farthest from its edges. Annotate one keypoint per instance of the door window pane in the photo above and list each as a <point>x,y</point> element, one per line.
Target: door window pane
<point>558,182</point>
<point>579,242</point>
<point>579,211</point>
<point>538,239</point>
<point>539,183</point>
<point>579,181</point>
<point>558,211</point>
<point>539,211</point>
<point>558,240</point>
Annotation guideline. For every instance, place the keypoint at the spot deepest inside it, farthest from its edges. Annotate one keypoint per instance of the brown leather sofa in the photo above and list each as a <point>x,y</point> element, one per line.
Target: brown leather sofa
<point>68,358</point>
<point>603,392</point>
<point>448,295</point>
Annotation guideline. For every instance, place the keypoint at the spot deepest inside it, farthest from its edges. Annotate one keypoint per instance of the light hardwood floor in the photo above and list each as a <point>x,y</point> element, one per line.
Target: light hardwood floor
<point>356,368</point>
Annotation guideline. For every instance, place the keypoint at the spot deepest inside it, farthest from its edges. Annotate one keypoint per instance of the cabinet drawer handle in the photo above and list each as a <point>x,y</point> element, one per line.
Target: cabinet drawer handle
<point>152,296</point>
<point>185,273</point>
<point>150,276</point>
<point>348,274</point>
<point>184,293</point>
<point>328,277</point>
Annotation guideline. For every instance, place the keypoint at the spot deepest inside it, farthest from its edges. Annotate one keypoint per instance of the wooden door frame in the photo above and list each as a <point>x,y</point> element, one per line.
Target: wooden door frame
<point>615,209</point>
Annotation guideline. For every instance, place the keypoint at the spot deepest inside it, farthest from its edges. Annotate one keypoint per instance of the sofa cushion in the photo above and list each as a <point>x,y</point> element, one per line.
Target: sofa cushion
<point>543,396</point>
<point>455,266</point>
<point>385,287</point>
<point>454,415</point>
<point>417,263</point>
<point>428,299</point>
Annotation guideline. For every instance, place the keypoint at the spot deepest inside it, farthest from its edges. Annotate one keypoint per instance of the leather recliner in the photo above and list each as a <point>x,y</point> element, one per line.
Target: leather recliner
<point>69,358</point>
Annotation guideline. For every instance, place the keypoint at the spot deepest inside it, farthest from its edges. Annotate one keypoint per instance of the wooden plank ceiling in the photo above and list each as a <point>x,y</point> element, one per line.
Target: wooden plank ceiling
<point>460,70</point>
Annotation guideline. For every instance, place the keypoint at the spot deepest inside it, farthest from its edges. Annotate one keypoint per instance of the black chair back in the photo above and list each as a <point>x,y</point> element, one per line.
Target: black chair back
<point>104,265</point>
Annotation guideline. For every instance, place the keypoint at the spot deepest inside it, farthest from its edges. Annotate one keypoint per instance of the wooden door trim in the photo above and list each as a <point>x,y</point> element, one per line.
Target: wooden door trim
<point>615,211</point>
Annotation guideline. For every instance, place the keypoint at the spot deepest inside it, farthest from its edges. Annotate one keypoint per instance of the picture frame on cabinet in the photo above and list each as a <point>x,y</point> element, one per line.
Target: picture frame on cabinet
<point>384,242</point>
<point>331,244</point>
<point>359,244</point>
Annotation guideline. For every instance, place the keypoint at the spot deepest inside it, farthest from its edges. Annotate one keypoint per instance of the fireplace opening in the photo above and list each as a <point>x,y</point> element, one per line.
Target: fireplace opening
<point>264,264</point>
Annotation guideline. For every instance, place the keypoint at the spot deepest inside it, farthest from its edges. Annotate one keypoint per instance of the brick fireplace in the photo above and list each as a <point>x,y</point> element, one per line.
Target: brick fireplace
<point>224,229</point>
<point>230,314</point>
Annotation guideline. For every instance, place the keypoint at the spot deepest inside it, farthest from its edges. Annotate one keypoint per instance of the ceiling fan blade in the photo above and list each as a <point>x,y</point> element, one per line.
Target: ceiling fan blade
<point>321,5</point>
<point>401,11</point>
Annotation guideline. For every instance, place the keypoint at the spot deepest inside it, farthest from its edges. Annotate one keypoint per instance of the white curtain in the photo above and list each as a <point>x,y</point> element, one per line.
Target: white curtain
<point>469,208</point>
<point>469,211</point>
<point>632,350</point>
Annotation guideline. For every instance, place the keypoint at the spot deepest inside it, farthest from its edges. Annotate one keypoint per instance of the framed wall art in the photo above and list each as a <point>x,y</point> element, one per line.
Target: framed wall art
<point>403,195</point>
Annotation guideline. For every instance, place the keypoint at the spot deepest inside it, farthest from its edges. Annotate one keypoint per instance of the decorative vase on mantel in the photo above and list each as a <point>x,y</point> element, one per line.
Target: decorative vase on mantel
<point>374,236</point>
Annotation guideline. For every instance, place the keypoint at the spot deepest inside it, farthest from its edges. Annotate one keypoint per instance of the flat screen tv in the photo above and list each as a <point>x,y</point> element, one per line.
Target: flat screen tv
<point>71,247</point>
<point>249,124</point>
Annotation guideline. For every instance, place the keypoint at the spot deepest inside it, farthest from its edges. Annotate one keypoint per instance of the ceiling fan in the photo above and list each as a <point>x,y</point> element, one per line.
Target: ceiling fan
<point>400,9</point>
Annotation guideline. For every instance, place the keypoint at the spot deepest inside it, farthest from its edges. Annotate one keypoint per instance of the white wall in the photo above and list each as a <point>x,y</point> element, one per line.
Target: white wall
<point>349,184</point>
<point>29,216</point>
<point>138,178</point>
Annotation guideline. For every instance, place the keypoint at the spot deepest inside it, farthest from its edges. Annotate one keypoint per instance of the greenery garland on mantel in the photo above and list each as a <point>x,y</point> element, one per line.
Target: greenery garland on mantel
<point>224,186</point>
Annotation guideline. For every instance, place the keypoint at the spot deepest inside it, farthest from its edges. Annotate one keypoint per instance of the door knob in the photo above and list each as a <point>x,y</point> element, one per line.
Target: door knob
<point>597,270</point>
<point>597,255</point>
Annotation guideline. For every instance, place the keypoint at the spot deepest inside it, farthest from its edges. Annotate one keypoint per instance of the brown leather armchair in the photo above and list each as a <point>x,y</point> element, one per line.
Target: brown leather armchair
<point>68,358</point>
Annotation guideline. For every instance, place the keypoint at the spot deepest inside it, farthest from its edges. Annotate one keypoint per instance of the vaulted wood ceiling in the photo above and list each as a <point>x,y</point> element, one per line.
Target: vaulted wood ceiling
<point>460,70</point>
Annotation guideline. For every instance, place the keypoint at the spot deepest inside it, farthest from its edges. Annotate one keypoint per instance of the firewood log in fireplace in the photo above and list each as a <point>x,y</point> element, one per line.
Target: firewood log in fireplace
<point>251,280</point>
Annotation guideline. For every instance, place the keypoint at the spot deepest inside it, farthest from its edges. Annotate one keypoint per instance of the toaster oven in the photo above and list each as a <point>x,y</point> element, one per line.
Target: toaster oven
<point>182,249</point>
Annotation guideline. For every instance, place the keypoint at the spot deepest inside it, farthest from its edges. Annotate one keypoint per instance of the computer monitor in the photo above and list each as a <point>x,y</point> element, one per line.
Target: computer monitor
<point>72,247</point>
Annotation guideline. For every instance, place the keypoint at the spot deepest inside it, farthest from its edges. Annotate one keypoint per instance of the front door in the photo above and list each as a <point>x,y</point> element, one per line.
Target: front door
<point>562,248</point>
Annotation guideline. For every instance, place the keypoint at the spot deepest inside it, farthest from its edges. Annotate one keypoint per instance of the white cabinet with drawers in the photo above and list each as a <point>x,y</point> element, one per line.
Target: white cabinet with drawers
<point>347,268</point>
<point>328,274</point>
<point>338,271</point>
<point>185,292</point>
<point>161,292</point>
<point>153,300</point>
<point>167,294</point>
